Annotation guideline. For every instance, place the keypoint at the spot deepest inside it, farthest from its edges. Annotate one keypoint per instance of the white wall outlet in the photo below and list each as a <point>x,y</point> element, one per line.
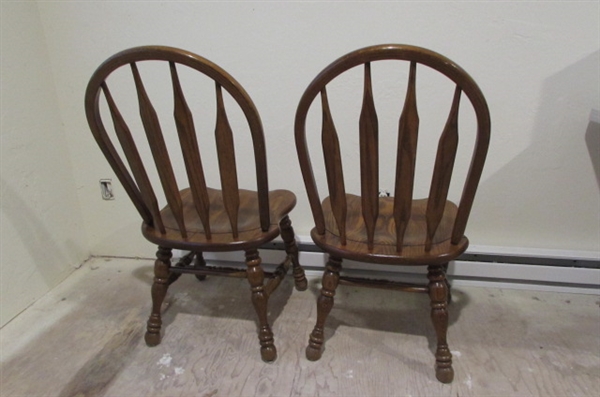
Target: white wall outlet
<point>106,189</point>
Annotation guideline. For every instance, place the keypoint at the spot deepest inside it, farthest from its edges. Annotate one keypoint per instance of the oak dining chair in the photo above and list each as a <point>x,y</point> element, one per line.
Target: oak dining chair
<point>396,230</point>
<point>197,218</point>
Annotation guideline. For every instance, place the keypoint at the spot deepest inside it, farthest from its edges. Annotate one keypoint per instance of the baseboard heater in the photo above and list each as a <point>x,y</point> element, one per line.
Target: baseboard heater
<point>500,267</point>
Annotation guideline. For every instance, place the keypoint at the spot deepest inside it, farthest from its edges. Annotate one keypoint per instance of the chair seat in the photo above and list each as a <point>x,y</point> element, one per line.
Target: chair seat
<point>384,249</point>
<point>250,233</point>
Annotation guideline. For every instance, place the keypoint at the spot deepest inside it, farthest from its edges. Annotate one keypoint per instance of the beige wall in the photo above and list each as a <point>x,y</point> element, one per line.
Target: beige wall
<point>536,62</point>
<point>42,231</point>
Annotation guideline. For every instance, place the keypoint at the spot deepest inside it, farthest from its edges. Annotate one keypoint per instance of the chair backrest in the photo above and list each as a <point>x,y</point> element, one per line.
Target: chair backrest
<point>406,150</point>
<point>137,183</point>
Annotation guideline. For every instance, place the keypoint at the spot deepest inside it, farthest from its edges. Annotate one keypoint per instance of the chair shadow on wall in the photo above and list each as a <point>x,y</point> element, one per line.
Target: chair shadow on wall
<point>546,167</point>
<point>47,254</point>
<point>592,140</point>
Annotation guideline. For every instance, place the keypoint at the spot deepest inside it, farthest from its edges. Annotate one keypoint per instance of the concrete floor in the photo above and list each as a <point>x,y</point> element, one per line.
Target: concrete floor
<point>85,338</point>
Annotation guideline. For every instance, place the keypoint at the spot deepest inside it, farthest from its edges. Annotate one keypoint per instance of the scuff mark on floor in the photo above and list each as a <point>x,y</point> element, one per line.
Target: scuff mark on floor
<point>211,393</point>
<point>94,377</point>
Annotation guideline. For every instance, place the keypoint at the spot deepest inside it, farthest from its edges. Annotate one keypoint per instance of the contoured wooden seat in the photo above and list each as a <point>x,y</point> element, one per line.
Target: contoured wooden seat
<point>197,218</point>
<point>397,230</point>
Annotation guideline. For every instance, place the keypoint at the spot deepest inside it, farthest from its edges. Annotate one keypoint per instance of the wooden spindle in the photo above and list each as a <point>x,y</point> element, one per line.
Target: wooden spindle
<point>333,167</point>
<point>191,154</point>
<point>407,153</point>
<point>369,158</point>
<point>227,167</point>
<point>442,172</point>
<point>159,151</point>
<point>134,160</point>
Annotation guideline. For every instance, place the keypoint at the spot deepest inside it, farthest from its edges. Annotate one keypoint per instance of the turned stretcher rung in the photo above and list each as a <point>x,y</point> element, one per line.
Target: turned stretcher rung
<point>383,284</point>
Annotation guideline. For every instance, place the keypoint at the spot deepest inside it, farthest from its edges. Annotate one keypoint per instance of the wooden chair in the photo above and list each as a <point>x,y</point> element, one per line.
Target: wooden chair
<point>198,218</point>
<point>391,230</point>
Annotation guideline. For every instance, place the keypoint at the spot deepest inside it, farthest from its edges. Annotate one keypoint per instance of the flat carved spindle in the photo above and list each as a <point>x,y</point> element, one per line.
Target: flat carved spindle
<point>159,151</point>
<point>226,152</point>
<point>407,153</point>
<point>133,158</point>
<point>442,173</point>
<point>369,158</point>
<point>191,154</point>
<point>333,167</point>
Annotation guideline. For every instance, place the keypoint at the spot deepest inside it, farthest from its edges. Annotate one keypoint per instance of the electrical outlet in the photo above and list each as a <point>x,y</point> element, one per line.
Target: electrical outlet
<point>106,189</point>
<point>384,193</point>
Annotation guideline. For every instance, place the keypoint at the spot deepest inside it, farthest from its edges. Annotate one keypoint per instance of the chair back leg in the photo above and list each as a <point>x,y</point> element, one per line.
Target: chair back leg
<point>162,272</point>
<point>200,263</point>
<point>289,240</point>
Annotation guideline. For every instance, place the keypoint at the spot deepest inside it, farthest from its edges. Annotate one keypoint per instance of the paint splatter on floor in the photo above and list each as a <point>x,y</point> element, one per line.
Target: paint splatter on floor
<point>469,382</point>
<point>165,360</point>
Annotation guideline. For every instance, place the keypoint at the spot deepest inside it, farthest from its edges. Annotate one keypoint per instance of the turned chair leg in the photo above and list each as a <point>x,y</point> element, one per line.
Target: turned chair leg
<point>289,240</point>
<point>331,277</point>
<point>159,291</point>
<point>260,300</point>
<point>199,263</point>
<point>438,293</point>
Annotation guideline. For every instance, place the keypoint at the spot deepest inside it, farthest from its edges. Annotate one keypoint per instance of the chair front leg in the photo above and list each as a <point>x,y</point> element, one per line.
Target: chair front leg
<point>260,300</point>
<point>438,293</point>
<point>331,278</point>
<point>162,272</point>
<point>289,240</point>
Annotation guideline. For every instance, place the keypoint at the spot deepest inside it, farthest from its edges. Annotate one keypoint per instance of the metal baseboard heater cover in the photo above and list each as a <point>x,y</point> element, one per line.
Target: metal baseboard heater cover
<point>477,254</point>
<point>503,267</point>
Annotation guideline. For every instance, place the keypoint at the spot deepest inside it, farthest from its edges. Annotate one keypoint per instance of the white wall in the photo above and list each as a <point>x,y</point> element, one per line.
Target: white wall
<point>536,62</point>
<point>42,233</point>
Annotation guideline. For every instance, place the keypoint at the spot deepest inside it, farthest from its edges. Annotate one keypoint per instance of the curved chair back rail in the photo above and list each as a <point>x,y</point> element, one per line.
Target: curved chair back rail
<point>406,153</point>
<point>137,183</point>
